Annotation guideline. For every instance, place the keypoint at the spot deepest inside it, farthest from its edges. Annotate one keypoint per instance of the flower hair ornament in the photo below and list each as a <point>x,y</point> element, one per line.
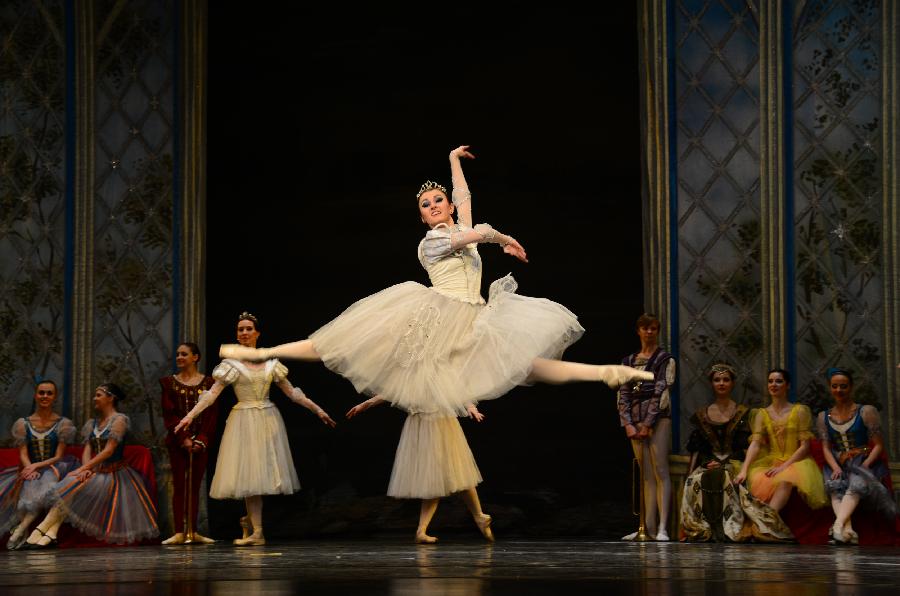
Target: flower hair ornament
<point>429,185</point>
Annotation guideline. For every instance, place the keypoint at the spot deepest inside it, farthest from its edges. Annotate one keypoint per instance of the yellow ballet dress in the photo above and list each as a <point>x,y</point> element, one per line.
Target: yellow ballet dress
<point>779,440</point>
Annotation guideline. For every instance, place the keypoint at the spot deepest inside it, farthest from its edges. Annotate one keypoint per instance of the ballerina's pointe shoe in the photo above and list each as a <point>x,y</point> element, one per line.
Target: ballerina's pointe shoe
<point>837,533</point>
<point>201,539</point>
<point>662,536</point>
<point>246,527</point>
<point>16,539</point>
<point>177,538</point>
<point>423,538</point>
<point>239,352</point>
<point>851,535</point>
<point>484,526</point>
<point>254,539</point>
<point>618,374</point>
<point>630,537</point>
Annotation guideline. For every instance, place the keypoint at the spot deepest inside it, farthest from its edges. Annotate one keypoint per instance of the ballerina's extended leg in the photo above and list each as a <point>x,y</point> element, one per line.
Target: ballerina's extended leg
<point>298,350</point>
<point>557,372</point>
<point>429,506</point>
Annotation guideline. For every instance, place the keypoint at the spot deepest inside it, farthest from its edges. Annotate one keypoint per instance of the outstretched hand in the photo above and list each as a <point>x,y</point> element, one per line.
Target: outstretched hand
<point>513,248</point>
<point>357,409</point>
<point>475,414</point>
<point>462,151</point>
<point>184,422</point>
<point>325,418</point>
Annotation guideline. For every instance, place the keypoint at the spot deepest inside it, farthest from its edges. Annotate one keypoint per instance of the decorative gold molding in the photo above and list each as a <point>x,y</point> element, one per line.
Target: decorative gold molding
<point>890,29</point>
<point>82,386</point>
<point>654,60</point>
<point>774,219</point>
<point>193,157</point>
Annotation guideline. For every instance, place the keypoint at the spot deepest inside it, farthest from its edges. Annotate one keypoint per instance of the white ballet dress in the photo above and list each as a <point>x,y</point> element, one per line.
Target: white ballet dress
<point>254,454</point>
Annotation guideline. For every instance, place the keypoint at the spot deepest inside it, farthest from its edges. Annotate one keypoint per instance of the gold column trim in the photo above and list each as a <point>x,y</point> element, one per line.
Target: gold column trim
<point>890,29</point>
<point>193,185</point>
<point>654,60</point>
<point>82,355</point>
<point>773,216</point>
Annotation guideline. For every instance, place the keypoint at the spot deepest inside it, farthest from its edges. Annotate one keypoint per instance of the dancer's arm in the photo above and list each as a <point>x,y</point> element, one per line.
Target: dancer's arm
<point>872,420</point>
<point>440,241</point>
<point>461,197</point>
<point>801,452</point>
<point>752,452</point>
<point>297,396</point>
<point>665,378</point>
<point>206,399</point>
<point>826,446</point>
<point>363,406</point>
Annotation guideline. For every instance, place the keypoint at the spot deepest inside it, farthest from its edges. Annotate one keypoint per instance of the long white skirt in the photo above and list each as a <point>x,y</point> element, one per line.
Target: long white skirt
<point>429,353</point>
<point>254,456</point>
<point>433,459</point>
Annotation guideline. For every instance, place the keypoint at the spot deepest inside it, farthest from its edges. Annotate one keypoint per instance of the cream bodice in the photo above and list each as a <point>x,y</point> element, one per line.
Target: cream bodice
<point>453,273</point>
<point>251,385</point>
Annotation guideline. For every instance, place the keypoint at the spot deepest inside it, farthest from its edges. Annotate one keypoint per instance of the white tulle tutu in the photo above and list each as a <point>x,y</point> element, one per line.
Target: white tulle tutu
<point>433,459</point>
<point>254,455</point>
<point>426,352</point>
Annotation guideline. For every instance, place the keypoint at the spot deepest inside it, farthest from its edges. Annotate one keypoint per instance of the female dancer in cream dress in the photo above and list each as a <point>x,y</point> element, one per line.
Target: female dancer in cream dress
<point>436,352</point>
<point>254,455</point>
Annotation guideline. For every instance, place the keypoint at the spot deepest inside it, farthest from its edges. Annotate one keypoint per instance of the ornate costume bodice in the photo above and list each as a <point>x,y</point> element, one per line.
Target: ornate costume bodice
<point>251,385</point>
<point>847,435</point>
<point>42,445</point>
<point>99,437</point>
<point>454,273</point>
<point>783,436</point>
<point>720,441</point>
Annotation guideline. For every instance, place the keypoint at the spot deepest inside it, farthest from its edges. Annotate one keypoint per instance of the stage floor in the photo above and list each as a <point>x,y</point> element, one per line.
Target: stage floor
<point>456,567</point>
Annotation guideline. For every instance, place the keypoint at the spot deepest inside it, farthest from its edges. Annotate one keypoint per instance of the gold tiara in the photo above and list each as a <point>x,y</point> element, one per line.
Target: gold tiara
<point>429,185</point>
<point>722,368</point>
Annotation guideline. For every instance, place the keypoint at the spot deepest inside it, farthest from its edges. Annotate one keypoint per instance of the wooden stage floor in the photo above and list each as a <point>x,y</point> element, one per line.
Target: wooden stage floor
<point>455,567</point>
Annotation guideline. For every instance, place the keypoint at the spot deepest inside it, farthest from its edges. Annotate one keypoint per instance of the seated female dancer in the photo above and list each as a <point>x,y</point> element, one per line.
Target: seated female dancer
<point>778,460</point>
<point>855,471</point>
<point>104,498</point>
<point>41,438</point>
<point>712,508</point>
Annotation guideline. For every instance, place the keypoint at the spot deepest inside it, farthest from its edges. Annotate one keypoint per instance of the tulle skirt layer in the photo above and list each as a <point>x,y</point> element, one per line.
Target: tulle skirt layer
<point>112,505</point>
<point>433,459</point>
<point>19,498</point>
<point>804,475</point>
<point>429,353</point>
<point>254,456</point>
<point>866,483</point>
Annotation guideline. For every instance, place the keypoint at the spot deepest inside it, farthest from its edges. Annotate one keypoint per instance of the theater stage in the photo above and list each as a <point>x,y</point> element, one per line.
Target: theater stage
<point>458,566</point>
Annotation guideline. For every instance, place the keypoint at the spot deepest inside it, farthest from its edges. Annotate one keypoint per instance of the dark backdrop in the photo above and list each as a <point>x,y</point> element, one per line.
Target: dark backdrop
<point>322,126</point>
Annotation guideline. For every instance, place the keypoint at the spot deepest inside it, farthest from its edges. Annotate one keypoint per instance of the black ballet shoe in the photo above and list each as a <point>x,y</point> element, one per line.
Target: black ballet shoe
<point>37,546</point>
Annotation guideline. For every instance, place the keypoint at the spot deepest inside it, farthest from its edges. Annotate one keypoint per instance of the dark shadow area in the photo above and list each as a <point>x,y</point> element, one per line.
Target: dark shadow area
<point>323,123</point>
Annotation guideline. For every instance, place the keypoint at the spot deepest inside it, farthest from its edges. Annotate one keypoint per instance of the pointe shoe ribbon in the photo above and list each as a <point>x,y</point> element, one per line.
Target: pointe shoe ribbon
<point>239,352</point>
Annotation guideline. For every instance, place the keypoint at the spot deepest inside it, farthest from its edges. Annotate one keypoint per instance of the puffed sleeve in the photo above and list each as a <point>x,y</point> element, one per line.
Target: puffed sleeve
<point>821,426</point>
<point>18,432</point>
<point>436,244</point>
<point>86,431</point>
<point>280,372</point>
<point>118,427</point>
<point>804,423</point>
<point>758,426</point>
<point>226,373</point>
<point>872,419</point>
<point>67,431</point>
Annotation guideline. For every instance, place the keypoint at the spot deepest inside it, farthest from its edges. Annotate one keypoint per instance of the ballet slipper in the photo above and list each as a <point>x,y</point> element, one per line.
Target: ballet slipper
<point>239,352</point>
<point>254,539</point>
<point>200,538</point>
<point>484,525</point>
<point>851,535</point>
<point>837,533</point>
<point>662,536</point>
<point>630,537</point>
<point>246,527</point>
<point>423,538</point>
<point>177,538</point>
<point>618,374</point>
